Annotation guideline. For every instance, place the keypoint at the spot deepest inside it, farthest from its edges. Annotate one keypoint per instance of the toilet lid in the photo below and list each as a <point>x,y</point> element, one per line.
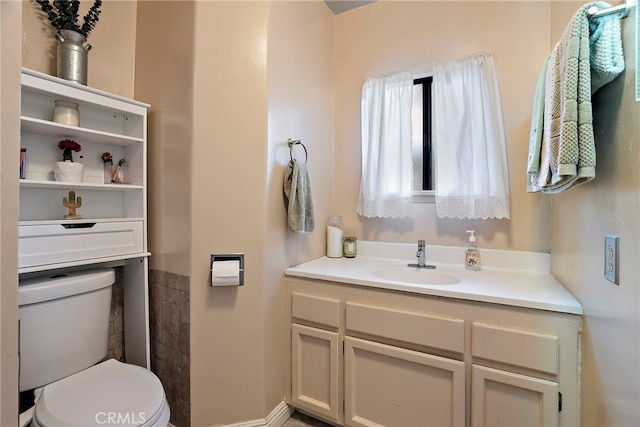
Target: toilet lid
<point>110,393</point>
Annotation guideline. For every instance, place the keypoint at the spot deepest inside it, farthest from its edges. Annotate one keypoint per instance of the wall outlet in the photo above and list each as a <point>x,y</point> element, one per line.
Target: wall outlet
<point>611,258</point>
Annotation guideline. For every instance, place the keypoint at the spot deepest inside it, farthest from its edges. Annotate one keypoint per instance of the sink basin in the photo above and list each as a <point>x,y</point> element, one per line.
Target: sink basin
<point>420,276</point>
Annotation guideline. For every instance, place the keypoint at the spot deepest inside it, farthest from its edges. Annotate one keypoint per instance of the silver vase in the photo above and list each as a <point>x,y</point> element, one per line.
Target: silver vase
<point>73,52</point>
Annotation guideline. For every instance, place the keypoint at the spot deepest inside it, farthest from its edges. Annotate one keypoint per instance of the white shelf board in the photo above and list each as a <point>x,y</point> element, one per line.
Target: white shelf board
<point>44,83</point>
<point>45,127</point>
<point>63,185</point>
<point>46,267</point>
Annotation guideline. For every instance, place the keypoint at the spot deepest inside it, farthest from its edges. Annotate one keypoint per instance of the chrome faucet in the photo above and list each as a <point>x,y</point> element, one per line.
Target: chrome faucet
<point>421,257</point>
<point>420,253</point>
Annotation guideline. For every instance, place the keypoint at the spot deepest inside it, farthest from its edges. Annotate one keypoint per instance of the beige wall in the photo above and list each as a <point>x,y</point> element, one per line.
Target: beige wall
<point>164,79</point>
<point>227,210</point>
<point>389,36</point>
<point>111,60</point>
<point>580,218</point>
<point>10,14</point>
<point>217,115</point>
<point>300,106</point>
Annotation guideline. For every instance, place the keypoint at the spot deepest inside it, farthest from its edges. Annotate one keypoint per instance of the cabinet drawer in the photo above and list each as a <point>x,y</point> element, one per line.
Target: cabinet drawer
<point>323,311</point>
<point>514,347</point>
<point>43,244</point>
<point>414,328</point>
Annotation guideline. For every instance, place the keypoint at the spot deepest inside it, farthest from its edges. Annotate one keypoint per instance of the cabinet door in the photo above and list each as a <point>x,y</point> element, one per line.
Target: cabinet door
<point>391,386</point>
<point>315,370</point>
<point>503,398</point>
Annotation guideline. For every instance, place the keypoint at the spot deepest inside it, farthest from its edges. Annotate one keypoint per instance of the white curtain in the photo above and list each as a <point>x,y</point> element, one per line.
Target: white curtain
<point>387,165</point>
<point>472,179</point>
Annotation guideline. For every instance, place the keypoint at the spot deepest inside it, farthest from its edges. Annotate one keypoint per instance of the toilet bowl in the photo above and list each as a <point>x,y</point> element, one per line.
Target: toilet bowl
<point>110,393</point>
<point>64,322</point>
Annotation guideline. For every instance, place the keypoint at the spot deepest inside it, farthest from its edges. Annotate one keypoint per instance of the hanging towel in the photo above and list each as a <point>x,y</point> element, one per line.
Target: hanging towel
<point>607,58</point>
<point>297,190</point>
<point>535,136</point>
<point>567,149</point>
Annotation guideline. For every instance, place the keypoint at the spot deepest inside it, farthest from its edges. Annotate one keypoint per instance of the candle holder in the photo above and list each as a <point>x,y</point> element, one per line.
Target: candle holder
<point>66,113</point>
<point>350,247</point>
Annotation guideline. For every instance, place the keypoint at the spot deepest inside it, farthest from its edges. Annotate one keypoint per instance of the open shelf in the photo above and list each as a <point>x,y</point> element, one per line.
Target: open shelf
<point>48,128</point>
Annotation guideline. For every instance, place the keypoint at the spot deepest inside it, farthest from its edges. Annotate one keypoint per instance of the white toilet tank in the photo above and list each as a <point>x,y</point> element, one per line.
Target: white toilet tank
<point>64,324</point>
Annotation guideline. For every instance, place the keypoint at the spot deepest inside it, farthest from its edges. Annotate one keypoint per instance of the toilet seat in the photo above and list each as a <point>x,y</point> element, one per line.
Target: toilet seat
<point>109,393</point>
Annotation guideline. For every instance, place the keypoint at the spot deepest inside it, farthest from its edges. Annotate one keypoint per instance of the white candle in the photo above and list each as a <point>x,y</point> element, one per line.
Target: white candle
<point>66,113</point>
<point>334,242</point>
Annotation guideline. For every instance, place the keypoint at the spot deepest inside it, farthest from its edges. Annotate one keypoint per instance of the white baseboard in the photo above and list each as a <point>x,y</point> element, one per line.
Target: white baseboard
<point>276,418</point>
<point>279,415</point>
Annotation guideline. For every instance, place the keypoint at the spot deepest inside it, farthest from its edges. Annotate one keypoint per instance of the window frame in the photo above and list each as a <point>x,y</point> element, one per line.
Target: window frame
<point>428,145</point>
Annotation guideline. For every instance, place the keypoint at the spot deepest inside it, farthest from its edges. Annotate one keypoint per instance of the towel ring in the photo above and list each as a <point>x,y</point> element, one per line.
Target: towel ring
<point>291,143</point>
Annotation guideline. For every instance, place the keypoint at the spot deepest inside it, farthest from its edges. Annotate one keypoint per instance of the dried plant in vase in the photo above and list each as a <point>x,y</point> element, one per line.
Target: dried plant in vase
<point>72,51</point>
<point>63,15</point>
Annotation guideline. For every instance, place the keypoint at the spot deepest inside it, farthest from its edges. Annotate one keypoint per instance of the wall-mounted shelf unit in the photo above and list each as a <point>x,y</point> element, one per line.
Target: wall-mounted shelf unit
<point>113,228</point>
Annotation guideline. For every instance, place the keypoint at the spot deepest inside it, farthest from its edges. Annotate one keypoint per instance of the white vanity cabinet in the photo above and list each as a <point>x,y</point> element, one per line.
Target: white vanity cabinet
<point>316,350</point>
<point>390,358</point>
<point>361,365</point>
<point>113,227</point>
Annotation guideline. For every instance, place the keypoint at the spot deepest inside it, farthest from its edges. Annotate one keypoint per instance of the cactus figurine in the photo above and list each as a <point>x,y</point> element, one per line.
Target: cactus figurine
<point>72,203</point>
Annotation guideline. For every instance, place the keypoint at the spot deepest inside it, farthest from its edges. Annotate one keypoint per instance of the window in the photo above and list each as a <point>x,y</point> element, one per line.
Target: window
<point>422,140</point>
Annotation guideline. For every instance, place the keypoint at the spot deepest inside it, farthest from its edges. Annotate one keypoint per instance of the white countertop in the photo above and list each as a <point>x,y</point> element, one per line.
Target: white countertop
<point>524,282</point>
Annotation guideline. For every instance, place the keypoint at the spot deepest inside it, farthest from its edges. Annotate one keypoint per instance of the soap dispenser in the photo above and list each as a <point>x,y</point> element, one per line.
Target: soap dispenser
<point>472,256</point>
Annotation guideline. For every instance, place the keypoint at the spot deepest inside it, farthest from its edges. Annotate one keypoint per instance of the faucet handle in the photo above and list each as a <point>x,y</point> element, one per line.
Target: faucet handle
<point>420,243</point>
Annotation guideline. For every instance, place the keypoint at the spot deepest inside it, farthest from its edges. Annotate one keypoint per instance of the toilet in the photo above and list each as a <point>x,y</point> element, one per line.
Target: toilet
<point>64,332</point>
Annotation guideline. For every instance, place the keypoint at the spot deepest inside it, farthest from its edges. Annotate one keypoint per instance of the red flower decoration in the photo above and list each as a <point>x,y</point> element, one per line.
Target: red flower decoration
<point>68,146</point>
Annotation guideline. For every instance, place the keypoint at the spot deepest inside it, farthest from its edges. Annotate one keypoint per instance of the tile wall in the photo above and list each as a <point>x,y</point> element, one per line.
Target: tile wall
<point>116,321</point>
<point>170,329</point>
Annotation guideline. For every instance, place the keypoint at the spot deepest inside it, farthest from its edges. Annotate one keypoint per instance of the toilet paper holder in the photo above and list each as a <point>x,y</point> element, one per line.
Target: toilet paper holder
<point>239,257</point>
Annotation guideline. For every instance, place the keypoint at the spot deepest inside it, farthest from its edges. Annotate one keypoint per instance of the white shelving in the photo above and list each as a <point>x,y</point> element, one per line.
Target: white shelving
<point>113,228</point>
<point>34,183</point>
<point>44,127</point>
<point>108,123</point>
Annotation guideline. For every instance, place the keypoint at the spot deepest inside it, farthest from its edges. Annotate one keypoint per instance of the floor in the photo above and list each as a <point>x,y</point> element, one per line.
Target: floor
<point>302,420</point>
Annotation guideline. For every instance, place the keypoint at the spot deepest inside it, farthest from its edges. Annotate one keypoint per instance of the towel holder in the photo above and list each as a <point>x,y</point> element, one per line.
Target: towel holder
<point>291,143</point>
<point>622,9</point>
